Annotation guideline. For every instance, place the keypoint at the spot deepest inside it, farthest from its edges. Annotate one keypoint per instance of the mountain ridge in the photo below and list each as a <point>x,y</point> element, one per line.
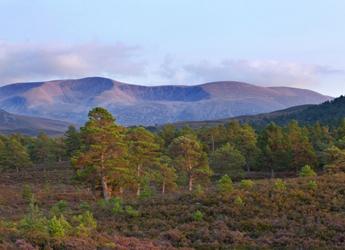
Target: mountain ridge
<point>132,104</point>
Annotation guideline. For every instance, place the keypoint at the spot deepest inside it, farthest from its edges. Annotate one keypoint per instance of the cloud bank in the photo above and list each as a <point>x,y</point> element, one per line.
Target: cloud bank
<point>260,72</point>
<point>27,62</point>
<point>39,62</point>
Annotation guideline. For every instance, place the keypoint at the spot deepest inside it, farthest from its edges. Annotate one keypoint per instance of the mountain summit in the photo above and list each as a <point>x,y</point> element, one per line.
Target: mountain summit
<point>70,100</point>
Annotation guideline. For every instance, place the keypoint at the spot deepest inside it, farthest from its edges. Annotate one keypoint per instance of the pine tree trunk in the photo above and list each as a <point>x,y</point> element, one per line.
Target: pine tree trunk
<point>212,143</point>
<point>121,191</point>
<point>138,175</point>
<point>163,187</point>
<point>105,188</point>
<point>190,184</point>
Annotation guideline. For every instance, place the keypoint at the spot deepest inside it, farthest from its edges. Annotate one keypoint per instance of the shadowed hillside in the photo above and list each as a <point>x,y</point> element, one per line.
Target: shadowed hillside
<point>328,113</point>
<point>10,124</point>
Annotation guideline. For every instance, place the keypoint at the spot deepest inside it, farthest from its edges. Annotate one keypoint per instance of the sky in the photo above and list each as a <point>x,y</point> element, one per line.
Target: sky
<point>296,43</point>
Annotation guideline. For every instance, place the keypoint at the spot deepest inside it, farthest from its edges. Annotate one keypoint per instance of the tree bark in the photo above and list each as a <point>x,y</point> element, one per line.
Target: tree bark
<point>190,184</point>
<point>163,187</point>
<point>105,188</point>
<point>138,175</point>
<point>212,143</point>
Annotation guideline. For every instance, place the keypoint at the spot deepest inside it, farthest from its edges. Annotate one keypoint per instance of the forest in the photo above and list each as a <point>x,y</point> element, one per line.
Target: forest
<point>243,187</point>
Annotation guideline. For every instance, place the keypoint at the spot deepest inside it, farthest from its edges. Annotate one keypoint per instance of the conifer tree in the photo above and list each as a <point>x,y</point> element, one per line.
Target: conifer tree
<point>72,140</point>
<point>274,148</point>
<point>190,158</point>
<point>227,160</point>
<point>103,151</point>
<point>301,151</point>
<point>166,174</point>
<point>14,155</point>
<point>143,152</point>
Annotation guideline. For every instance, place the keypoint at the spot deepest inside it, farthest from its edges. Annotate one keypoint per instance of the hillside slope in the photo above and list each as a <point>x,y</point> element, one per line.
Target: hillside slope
<point>10,123</point>
<point>329,113</point>
<point>134,104</point>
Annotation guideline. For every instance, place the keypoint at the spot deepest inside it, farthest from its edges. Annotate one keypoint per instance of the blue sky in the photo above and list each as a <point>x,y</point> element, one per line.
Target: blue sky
<point>266,42</point>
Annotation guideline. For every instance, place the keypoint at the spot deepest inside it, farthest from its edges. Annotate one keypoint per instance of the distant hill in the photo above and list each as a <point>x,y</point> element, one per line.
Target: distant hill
<point>329,113</point>
<point>10,123</point>
<point>70,100</point>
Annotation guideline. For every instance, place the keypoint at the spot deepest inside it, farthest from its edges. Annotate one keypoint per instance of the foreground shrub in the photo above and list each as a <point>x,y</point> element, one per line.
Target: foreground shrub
<point>147,192</point>
<point>58,227</point>
<point>280,185</point>
<point>59,208</point>
<point>225,185</point>
<point>85,206</point>
<point>198,191</point>
<point>198,215</point>
<point>34,224</point>
<point>114,205</point>
<point>131,211</point>
<point>307,171</point>
<point>239,201</point>
<point>312,185</point>
<point>27,193</point>
<point>86,224</point>
<point>247,184</point>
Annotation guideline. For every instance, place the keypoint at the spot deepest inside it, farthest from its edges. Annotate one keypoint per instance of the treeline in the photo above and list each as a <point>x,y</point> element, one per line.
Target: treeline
<point>116,159</point>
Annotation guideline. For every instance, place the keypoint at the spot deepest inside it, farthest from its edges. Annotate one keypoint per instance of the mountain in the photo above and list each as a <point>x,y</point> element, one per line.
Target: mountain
<point>328,113</point>
<point>10,123</point>
<point>70,100</point>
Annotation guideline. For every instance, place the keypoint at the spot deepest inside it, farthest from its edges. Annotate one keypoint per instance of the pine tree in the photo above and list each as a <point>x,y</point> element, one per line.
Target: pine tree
<point>104,150</point>
<point>274,148</point>
<point>244,139</point>
<point>143,152</point>
<point>72,140</point>
<point>166,174</point>
<point>190,158</point>
<point>14,155</point>
<point>301,151</point>
<point>40,149</point>
<point>228,160</point>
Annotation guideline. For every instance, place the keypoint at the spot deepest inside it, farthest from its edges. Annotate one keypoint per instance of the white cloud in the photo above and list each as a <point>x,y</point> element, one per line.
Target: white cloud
<point>260,72</point>
<point>27,62</point>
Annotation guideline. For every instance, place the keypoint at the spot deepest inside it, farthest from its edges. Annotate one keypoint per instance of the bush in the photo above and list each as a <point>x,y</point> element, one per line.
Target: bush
<point>114,205</point>
<point>225,185</point>
<point>247,184</point>
<point>198,191</point>
<point>59,208</point>
<point>147,192</point>
<point>312,185</point>
<point>280,185</point>
<point>86,224</point>
<point>85,206</point>
<point>34,224</point>
<point>58,227</point>
<point>198,215</point>
<point>27,193</point>
<point>131,211</point>
<point>307,171</point>
<point>239,201</point>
